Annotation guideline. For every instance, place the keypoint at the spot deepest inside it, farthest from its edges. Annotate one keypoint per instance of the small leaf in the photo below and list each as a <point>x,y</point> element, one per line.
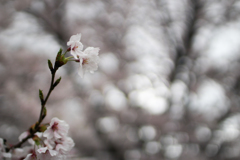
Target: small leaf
<point>41,96</point>
<point>57,82</point>
<point>50,65</point>
<point>44,112</point>
<point>37,140</point>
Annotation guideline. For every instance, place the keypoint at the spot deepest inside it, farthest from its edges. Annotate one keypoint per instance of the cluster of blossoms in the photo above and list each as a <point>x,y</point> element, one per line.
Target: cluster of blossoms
<point>52,144</point>
<point>88,58</point>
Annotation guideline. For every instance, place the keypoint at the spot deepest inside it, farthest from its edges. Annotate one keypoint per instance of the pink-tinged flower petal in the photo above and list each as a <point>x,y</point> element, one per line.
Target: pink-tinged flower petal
<point>45,150</point>
<point>45,153</point>
<point>76,37</point>
<point>48,133</point>
<point>53,152</point>
<point>65,145</point>
<point>76,45</point>
<point>76,52</point>
<point>91,51</point>
<point>42,150</point>
<point>57,129</point>
<point>89,61</point>
<point>57,135</point>
<point>23,135</point>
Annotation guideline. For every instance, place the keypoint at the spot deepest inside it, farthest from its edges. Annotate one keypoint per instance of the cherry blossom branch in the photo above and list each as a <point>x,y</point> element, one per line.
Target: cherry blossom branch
<point>60,60</point>
<point>88,61</point>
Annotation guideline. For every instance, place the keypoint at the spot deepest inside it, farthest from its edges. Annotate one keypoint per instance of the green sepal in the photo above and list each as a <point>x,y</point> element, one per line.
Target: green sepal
<point>60,59</point>
<point>37,140</point>
<point>65,60</point>
<point>57,82</point>
<point>41,96</point>
<point>42,128</point>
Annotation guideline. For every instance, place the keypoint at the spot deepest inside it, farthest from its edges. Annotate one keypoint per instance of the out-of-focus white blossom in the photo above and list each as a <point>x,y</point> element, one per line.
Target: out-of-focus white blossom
<point>3,154</point>
<point>23,135</point>
<point>19,153</point>
<point>57,129</point>
<point>30,140</point>
<point>58,147</point>
<point>64,145</point>
<point>75,45</point>
<point>89,61</point>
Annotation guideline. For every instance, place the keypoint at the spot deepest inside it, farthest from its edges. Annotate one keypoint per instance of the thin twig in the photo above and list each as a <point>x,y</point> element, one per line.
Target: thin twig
<point>36,127</point>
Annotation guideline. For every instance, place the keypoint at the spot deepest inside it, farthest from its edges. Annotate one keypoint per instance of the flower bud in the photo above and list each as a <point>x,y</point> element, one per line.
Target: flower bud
<point>37,140</point>
<point>41,96</point>
<point>57,82</point>
<point>60,59</point>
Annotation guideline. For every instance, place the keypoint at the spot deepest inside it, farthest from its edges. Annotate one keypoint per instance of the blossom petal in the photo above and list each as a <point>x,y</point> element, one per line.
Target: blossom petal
<point>76,37</point>
<point>23,135</point>
<point>80,69</point>
<point>57,129</point>
<point>91,51</point>
<point>42,150</point>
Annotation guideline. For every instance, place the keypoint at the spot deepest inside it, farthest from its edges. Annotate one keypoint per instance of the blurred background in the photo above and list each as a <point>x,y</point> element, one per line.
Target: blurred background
<point>167,86</point>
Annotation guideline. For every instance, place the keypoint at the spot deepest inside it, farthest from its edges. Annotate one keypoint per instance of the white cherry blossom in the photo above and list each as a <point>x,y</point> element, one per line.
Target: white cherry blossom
<point>57,129</point>
<point>64,145</point>
<point>57,151</point>
<point>75,45</point>
<point>89,61</point>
